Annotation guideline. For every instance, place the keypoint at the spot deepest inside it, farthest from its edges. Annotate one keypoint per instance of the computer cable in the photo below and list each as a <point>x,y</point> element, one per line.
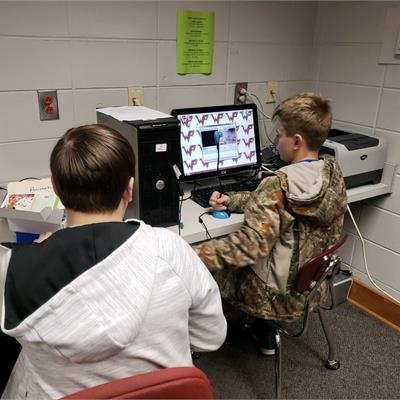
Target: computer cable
<point>187,197</point>
<point>365,258</point>
<point>254,177</point>
<point>29,178</point>
<point>266,169</point>
<point>244,92</point>
<point>260,108</point>
<point>181,200</point>
<point>204,225</point>
<point>180,225</point>
<point>178,174</point>
<point>249,178</point>
<point>217,138</point>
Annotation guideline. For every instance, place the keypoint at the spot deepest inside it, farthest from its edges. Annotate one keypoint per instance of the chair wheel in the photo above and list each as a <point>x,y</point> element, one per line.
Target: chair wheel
<point>332,364</point>
<point>195,355</point>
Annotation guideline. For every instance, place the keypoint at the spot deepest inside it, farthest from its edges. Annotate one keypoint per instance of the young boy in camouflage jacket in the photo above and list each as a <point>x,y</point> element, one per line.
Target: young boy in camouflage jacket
<point>291,217</point>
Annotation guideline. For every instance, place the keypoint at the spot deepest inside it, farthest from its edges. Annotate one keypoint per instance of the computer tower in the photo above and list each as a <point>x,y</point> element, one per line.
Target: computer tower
<point>156,143</point>
<point>341,286</point>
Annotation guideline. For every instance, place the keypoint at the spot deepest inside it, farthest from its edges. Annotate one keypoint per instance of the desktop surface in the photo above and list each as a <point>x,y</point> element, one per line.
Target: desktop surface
<point>193,231</point>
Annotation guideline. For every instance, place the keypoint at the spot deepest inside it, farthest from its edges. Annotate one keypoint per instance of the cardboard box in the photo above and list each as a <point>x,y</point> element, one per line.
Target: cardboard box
<point>32,207</point>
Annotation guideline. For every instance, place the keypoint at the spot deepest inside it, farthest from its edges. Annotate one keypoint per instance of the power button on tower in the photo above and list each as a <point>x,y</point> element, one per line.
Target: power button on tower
<point>160,185</point>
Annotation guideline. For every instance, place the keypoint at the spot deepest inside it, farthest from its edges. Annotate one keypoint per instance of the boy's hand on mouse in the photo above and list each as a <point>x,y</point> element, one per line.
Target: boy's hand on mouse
<point>218,201</point>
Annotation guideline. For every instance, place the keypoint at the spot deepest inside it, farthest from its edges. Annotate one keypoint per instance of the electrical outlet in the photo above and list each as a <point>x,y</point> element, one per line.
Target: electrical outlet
<point>135,96</point>
<point>48,105</point>
<point>271,92</point>
<point>238,97</point>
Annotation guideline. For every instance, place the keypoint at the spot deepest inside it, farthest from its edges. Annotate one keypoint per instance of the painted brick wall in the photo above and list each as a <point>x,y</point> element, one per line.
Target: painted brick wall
<point>366,98</point>
<point>92,51</point>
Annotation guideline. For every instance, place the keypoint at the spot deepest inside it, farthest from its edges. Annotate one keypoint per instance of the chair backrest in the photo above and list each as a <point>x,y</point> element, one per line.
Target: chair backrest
<point>168,383</point>
<point>311,272</point>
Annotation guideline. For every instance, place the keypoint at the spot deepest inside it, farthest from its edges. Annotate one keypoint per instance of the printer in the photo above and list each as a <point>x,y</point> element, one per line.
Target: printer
<point>360,157</point>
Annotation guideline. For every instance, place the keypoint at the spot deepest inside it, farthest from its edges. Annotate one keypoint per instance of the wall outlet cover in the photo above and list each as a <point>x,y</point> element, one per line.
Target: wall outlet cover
<point>48,105</point>
<point>239,98</point>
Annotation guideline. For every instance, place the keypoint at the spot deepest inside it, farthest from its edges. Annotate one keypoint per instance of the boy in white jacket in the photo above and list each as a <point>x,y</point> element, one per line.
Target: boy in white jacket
<point>102,299</point>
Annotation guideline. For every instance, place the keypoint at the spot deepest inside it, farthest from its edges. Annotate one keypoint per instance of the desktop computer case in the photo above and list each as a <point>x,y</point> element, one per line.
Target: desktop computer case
<point>341,286</point>
<point>156,144</point>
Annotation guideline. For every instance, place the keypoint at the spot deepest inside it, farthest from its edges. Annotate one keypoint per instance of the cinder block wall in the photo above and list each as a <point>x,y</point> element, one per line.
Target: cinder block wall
<point>366,98</point>
<point>92,51</point>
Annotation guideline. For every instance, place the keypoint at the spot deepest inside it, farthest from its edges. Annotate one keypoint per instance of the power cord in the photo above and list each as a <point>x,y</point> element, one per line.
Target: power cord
<point>254,176</point>
<point>259,102</point>
<point>266,169</point>
<point>181,200</point>
<point>365,258</point>
<point>29,178</point>
<point>180,225</point>
<point>181,194</point>
<point>218,173</point>
<point>204,225</point>
<point>245,94</point>
<point>187,197</point>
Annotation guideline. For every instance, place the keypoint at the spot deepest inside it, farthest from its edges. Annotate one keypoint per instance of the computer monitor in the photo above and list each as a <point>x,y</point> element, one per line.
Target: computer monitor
<point>233,127</point>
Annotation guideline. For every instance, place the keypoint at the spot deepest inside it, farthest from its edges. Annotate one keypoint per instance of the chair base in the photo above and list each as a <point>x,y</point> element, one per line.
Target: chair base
<point>332,364</point>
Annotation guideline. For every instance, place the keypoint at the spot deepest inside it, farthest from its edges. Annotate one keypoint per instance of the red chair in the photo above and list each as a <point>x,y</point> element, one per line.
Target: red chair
<point>319,269</point>
<point>316,271</point>
<point>168,383</point>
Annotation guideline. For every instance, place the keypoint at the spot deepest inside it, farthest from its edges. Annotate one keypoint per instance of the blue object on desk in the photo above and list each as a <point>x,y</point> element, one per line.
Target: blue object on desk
<point>25,238</point>
<point>221,214</point>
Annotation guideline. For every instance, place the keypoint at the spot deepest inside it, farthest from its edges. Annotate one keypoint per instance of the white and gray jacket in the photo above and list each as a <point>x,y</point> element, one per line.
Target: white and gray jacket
<point>104,301</point>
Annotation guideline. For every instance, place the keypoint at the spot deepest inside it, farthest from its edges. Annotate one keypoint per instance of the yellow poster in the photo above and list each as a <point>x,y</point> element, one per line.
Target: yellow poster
<point>194,42</point>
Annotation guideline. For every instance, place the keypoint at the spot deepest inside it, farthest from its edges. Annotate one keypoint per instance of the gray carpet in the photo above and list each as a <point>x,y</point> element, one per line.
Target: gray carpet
<point>369,353</point>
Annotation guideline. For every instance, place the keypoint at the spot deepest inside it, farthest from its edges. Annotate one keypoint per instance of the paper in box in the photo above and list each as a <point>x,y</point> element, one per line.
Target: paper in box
<point>32,206</point>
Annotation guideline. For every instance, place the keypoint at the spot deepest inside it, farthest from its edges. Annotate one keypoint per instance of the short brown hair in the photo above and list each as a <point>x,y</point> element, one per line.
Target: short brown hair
<point>308,114</point>
<point>91,166</point>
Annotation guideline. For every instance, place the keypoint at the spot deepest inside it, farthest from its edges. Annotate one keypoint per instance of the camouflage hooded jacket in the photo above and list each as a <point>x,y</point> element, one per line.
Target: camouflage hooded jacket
<point>291,217</point>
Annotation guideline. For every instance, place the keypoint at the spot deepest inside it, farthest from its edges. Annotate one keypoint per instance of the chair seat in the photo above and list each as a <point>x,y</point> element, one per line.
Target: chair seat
<point>168,383</point>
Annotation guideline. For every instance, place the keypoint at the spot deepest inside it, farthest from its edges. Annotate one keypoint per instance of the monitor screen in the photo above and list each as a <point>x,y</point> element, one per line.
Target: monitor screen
<point>231,131</point>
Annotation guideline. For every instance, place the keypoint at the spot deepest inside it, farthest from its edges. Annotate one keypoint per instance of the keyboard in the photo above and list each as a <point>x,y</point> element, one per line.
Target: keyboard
<point>202,195</point>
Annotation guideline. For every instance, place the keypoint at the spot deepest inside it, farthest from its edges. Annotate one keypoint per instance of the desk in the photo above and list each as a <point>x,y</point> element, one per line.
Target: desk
<point>193,231</point>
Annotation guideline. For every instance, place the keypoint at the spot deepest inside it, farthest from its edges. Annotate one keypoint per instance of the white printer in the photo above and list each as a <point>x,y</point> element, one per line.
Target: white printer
<point>360,157</point>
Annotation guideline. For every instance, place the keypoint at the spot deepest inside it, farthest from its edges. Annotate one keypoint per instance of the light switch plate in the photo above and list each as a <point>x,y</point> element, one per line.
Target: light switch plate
<point>271,92</point>
<point>48,105</point>
<point>135,96</point>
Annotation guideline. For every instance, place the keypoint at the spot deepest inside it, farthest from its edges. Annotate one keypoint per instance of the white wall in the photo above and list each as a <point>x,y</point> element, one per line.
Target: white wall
<point>366,98</point>
<point>92,51</point>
